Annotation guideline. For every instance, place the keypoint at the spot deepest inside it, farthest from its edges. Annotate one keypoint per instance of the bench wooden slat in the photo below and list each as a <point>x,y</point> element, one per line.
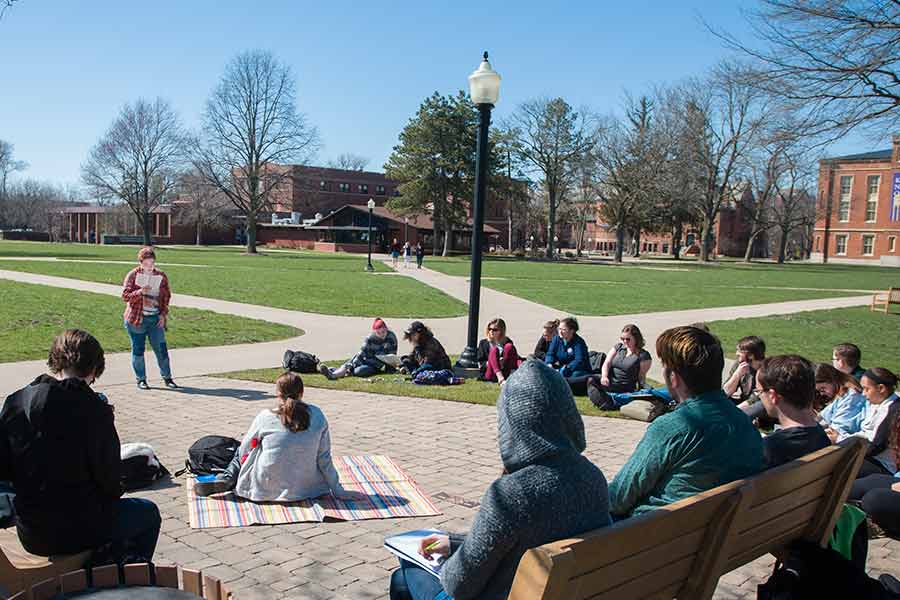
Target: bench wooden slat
<point>74,581</point>
<point>212,588</point>
<point>167,577</point>
<point>45,590</point>
<point>193,581</point>
<point>779,506</point>
<point>644,586</point>
<point>137,574</point>
<point>105,577</point>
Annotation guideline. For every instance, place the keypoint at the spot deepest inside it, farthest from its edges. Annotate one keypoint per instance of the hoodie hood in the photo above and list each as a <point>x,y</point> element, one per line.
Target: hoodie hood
<point>536,417</point>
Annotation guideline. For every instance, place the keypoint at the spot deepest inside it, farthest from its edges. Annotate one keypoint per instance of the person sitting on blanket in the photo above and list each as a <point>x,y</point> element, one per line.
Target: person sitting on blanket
<point>379,342</point>
<point>786,386</point>
<point>285,455</point>
<point>705,442</point>
<point>428,354</point>
<point>497,355</point>
<point>60,449</point>
<point>548,491</point>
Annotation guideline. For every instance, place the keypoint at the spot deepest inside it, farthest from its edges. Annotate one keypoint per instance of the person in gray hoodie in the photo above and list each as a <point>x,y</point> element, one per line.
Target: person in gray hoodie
<point>548,491</point>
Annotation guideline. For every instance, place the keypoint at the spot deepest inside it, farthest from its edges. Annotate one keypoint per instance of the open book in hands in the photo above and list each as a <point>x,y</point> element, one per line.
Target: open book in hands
<point>406,546</point>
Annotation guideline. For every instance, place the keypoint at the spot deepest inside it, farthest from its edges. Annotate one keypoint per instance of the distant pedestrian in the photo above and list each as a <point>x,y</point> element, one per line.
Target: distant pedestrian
<point>395,253</point>
<point>420,255</point>
<point>146,294</point>
<point>407,255</point>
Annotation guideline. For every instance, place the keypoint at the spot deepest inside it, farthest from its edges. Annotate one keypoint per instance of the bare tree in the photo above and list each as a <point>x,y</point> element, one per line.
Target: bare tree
<point>835,61</point>
<point>205,207</point>
<point>251,126</point>
<point>8,165</point>
<point>550,137</point>
<point>349,162</point>
<point>721,116</point>
<point>5,5</point>
<point>137,160</point>
<point>37,205</point>
<point>794,209</point>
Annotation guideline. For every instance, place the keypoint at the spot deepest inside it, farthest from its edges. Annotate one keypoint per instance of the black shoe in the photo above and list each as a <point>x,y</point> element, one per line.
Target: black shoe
<point>208,488</point>
<point>170,383</point>
<point>142,385</point>
<point>599,397</point>
<point>327,372</point>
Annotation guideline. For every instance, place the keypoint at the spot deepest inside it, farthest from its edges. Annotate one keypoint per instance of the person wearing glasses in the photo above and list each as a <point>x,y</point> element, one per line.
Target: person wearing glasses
<point>568,352</point>
<point>626,365</point>
<point>497,355</point>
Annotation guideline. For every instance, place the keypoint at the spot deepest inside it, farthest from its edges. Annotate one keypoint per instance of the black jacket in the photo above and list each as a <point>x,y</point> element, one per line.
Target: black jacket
<point>59,447</point>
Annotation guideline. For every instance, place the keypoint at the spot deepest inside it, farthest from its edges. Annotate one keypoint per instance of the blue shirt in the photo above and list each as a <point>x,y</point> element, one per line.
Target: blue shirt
<point>705,442</point>
<point>845,413</point>
<point>572,355</point>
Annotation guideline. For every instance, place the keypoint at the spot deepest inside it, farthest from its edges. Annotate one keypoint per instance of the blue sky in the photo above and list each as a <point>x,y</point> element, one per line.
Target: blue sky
<point>362,68</point>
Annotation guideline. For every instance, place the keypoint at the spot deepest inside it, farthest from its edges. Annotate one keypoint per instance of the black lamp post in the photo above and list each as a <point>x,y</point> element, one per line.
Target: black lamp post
<point>371,205</point>
<point>484,89</point>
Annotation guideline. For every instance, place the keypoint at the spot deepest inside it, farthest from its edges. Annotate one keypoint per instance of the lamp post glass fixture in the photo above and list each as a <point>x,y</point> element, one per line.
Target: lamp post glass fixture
<point>371,205</point>
<point>484,89</point>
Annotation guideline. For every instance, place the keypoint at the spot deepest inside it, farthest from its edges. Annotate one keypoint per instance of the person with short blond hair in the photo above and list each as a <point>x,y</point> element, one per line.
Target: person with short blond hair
<point>706,442</point>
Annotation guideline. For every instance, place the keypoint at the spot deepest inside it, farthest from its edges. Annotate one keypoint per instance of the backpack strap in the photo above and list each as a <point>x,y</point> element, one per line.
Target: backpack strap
<point>180,472</point>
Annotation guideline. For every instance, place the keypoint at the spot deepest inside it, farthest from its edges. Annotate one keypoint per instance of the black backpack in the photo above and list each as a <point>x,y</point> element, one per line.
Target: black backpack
<point>300,362</point>
<point>210,455</point>
<point>140,467</point>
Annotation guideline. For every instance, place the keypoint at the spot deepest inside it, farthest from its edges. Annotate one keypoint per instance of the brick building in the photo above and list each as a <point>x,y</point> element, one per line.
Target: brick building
<point>858,208</point>
<point>320,190</point>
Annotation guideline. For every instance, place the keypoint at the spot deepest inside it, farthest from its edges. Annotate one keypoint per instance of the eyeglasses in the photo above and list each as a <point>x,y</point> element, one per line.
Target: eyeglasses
<point>626,339</point>
<point>493,329</point>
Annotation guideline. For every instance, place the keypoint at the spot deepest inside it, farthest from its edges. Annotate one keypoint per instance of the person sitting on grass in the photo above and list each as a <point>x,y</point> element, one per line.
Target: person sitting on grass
<point>497,356</point>
<point>881,411</point>
<point>285,455</point>
<point>379,342</point>
<point>568,352</point>
<point>879,495</point>
<point>60,449</point>
<point>548,491</point>
<point>844,403</point>
<point>740,385</point>
<point>551,329</point>
<point>428,354</point>
<point>627,363</point>
<point>704,443</point>
<point>845,358</point>
<point>786,386</point>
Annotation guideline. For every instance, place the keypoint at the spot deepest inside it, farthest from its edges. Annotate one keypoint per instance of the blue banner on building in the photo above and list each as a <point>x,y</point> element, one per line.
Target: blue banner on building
<point>895,198</point>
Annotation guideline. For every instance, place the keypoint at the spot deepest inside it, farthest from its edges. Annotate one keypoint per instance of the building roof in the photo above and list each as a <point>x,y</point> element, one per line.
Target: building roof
<point>98,209</point>
<point>877,155</point>
<point>417,221</point>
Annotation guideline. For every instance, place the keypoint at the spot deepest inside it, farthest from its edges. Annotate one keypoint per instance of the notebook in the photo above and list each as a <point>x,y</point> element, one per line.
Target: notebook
<point>143,279</point>
<point>391,360</point>
<point>406,546</point>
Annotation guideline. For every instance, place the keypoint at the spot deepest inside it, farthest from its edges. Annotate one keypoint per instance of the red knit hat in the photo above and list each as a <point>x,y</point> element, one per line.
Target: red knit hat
<point>378,324</point>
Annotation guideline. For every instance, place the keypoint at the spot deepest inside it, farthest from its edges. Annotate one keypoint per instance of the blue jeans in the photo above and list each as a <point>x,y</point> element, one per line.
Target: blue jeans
<point>412,582</point>
<point>364,371</point>
<point>135,529</point>
<point>621,399</point>
<point>149,327</point>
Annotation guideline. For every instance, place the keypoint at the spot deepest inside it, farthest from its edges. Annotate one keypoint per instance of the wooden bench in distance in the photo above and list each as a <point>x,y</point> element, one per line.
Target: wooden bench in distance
<point>882,300</point>
<point>681,550</point>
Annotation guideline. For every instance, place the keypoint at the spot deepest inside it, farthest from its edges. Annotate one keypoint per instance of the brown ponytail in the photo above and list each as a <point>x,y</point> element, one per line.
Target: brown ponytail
<point>294,412</point>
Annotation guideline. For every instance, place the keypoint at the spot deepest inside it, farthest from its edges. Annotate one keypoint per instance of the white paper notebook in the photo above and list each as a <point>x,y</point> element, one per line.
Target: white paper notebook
<point>392,360</point>
<point>406,546</point>
<point>143,279</point>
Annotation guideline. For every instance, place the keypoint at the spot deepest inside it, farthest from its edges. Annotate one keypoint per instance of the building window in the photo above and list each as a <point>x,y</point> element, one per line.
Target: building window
<point>379,190</point>
<point>844,201</point>
<point>840,244</point>
<point>868,245</point>
<point>665,249</point>
<point>892,242</point>
<point>344,187</point>
<point>872,182</point>
<point>323,185</point>
<point>818,243</point>
<point>363,188</point>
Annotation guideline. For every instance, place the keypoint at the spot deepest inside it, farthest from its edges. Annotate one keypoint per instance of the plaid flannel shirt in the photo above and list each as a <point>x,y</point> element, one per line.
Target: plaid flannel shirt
<point>134,299</point>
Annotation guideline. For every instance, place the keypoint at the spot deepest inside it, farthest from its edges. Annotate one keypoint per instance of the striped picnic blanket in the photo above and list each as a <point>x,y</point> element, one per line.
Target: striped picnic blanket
<point>391,493</point>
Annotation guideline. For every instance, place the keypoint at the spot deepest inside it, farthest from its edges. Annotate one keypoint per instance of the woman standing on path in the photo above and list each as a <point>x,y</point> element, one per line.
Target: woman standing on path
<point>407,255</point>
<point>395,253</point>
<point>146,295</point>
<point>420,255</point>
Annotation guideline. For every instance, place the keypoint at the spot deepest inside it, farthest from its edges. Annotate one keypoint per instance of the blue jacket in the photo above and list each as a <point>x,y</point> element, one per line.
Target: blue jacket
<point>845,413</point>
<point>573,356</point>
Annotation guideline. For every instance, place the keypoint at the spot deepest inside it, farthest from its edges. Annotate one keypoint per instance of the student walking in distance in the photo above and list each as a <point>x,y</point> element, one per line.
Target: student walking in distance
<point>420,255</point>
<point>146,294</point>
<point>60,449</point>
<point>395,253</point>
<point>548,491</point>
<point>285,455</point>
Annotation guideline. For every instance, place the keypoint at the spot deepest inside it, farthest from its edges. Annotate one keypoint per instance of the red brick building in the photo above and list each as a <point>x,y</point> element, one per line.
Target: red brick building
<point>321,190</point>
<point>858,208</point>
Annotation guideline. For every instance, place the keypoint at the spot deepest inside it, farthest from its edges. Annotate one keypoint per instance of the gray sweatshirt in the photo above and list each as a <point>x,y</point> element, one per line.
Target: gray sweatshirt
<point>285,466</point>
<point>550,492</point>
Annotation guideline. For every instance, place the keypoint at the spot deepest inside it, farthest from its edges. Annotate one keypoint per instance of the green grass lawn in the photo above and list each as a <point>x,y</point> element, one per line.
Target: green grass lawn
<point>310,281</point>
<point>473,392</point>
<point>607,289</point>
<point>32,315</point>
<point>813,334</point>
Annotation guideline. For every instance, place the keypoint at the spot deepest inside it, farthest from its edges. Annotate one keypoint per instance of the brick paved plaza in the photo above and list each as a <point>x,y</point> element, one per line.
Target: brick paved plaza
<point>346,560</point>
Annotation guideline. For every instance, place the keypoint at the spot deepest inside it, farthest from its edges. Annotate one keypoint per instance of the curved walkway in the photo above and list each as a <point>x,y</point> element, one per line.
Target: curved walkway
<point>335,337</point>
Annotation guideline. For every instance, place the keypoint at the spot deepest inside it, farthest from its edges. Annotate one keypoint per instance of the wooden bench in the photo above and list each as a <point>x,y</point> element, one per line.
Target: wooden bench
<point>144,575</point>
<point>882,300</point>
<point>681,550</point>
<point>19,569</point>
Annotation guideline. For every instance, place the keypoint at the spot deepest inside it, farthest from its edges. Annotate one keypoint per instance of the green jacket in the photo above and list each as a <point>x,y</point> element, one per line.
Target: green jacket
<point>705,442</point>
